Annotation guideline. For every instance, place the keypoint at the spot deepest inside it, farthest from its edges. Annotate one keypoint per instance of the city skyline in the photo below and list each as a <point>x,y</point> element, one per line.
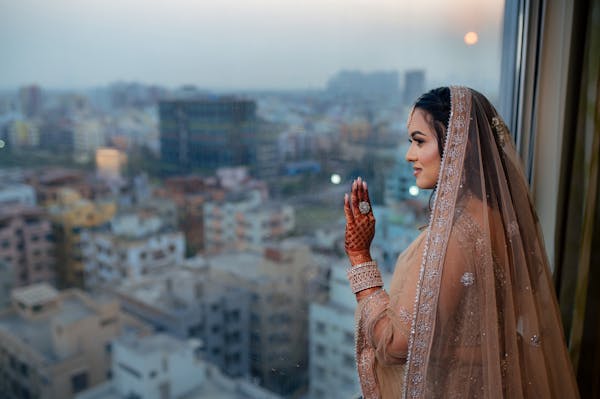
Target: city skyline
<point>257,44</point>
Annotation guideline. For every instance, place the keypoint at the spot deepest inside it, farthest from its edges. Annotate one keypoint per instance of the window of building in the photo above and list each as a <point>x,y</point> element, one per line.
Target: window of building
<point>108,321</point>
<point>79,382</point>
<point>320,327</point>
<point>24,370</point>
<point>129,370</point>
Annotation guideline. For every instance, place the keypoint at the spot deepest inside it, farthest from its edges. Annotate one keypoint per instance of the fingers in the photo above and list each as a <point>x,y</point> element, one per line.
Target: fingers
<point>371,215</point>
<point>354,198</point>
<point>363,195</point>
<point>347,210</point>
<point>359,193</point>
<point>361,189</point>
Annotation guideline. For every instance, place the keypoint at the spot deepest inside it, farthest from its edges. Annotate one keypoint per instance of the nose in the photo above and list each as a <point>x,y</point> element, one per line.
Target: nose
<point>411,154</point>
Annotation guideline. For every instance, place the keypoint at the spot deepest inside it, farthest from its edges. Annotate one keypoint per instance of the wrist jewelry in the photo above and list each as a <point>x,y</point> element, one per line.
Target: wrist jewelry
<point>364,275</point>
<point>359,258</point>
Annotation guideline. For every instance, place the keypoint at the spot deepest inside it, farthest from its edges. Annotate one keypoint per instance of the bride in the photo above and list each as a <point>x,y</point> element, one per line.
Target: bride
<point>471,311</point>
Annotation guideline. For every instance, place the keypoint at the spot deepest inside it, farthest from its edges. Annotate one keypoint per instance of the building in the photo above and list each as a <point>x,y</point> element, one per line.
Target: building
<point>31,100</point>
<point>7,277</point>
<point>332,367</point>
<point>109,163</point>
<point>56,344</point>
<point>17,193</point>
<point>186,302</point>
<point>160,366</point>
<point>414,85</point>
<point>374,84</point>
<point>23,134</point>
<point>279,281</point>
<point>89,135</point>
<point>56,134</point>
<point>49,183</point>
<point>26,244</point>
<point>133,245</point>
<point>189,194</point>
<point>154,367</point>
<point>244,221</point>
<point>207,132</point>
<point>71,215</point>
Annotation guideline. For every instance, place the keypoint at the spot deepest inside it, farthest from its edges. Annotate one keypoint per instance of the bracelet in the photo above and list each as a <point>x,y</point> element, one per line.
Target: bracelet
<point>364,275</point>
<point>359,258</point>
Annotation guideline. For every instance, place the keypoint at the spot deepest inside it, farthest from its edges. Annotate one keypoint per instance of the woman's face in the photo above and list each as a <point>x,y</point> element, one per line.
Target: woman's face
<point>423,152</point>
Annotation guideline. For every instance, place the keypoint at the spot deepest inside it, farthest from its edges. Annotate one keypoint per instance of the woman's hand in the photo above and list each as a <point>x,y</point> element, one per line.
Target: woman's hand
<point>360,223</point>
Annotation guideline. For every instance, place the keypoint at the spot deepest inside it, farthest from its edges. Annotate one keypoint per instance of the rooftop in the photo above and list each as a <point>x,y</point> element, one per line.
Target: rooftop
<point>35,294</point>
<point>37,333</point>
<point>156,343</point>
<point>244,264</point>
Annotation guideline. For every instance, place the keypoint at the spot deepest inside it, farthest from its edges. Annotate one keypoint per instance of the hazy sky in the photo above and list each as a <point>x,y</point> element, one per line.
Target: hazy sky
<point>243,43</point>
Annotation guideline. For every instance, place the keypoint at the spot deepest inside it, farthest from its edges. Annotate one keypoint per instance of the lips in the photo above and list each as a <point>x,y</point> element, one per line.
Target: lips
<point>417,171</point>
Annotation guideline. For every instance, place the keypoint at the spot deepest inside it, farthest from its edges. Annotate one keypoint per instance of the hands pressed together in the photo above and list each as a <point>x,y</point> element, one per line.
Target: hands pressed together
<point>360,223</point>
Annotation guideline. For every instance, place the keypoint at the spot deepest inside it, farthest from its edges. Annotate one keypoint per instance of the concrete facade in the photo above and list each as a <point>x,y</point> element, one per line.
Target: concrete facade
<point>26,244</point>
<point>187,303</point>
<point>55,344</point>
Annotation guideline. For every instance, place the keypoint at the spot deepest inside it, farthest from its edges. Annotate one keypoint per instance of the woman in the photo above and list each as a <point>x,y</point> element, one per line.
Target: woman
<point>470,311</point>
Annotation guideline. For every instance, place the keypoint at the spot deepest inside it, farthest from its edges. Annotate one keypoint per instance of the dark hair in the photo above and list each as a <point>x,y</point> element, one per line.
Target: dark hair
<point>436,103</point>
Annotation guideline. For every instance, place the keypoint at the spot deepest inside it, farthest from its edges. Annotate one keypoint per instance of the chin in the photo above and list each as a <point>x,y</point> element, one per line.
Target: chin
<point>425,185</point>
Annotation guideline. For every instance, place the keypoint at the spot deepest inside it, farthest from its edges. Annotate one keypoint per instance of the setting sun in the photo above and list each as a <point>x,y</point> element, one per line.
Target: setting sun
<point>471,38</point>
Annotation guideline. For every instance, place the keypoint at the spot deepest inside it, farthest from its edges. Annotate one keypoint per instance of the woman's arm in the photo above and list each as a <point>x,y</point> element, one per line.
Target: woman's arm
<point>382,329</point>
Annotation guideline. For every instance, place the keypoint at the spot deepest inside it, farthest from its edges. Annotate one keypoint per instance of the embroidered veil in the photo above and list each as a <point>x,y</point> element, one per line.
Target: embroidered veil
<point>471,310</point>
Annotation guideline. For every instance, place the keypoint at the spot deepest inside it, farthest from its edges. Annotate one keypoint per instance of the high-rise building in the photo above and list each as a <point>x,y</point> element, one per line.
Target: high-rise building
<point>185,302</point>
<point>244,221</point>
<point>135,245</point>
<point>70,215</point>
<point>414,85</point>
<point>207,132</point>
<point>26,244</point>
<point>280,282</point>
<point>374,84</point>
<point>331,341</point>
<point>31,100</point>
<point>89,135</point>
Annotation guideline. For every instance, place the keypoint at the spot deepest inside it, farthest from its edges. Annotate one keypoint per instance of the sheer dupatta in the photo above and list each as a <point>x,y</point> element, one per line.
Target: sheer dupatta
<point>471,311</point>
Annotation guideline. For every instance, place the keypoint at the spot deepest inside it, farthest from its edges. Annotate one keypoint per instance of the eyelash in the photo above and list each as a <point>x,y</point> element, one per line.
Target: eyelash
<point>419,142</point>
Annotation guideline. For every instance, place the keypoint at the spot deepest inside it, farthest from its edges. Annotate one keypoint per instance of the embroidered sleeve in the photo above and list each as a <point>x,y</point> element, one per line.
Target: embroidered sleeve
<point>368,311</point>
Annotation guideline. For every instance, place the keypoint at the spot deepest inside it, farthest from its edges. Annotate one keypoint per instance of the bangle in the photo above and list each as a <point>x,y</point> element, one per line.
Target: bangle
<point>359,258</point>
<point>364,275</point>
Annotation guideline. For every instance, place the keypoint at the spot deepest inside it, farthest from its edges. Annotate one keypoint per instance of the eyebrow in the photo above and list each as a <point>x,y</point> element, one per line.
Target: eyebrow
<point>413,134</point>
